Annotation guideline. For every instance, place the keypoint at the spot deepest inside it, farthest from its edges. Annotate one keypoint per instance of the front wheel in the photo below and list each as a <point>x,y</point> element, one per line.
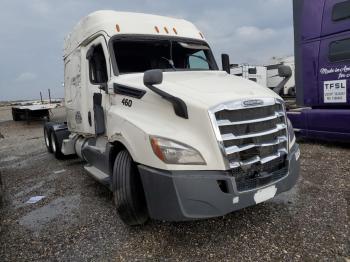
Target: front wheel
<point>128,192</point>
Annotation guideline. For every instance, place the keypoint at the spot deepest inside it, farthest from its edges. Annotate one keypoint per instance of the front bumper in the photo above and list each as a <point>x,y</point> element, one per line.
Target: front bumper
<point>188,195</point>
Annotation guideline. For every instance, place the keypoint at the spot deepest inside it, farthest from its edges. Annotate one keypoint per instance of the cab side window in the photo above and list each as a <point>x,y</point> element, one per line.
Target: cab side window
<point>97,66</point>
<point>341,11</point>
<point>339,50</point>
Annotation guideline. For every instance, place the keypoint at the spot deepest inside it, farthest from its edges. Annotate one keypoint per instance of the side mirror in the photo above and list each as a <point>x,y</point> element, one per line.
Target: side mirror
<point>284,71</point>
<point>225,60</point>
<point>153,77</point>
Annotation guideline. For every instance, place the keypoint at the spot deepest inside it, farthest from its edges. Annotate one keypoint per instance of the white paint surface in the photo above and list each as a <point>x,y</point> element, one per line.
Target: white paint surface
<point>265,194</point>
<point>334,91</point>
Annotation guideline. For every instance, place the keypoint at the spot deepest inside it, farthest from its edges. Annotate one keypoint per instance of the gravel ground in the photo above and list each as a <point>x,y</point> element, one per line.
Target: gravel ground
<point>76,221</point>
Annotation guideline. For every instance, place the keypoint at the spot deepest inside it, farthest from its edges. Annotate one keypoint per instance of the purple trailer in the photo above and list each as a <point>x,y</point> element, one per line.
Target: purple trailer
<point>322,65</point>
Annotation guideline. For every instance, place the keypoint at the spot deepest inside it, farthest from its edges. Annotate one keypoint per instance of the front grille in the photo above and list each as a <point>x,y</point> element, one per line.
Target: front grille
<point>252,182</point>
<point>248,113</point>
<point>254,140</point>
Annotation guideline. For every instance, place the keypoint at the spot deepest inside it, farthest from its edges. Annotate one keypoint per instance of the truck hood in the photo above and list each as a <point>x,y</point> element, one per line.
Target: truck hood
<point>210,88</point>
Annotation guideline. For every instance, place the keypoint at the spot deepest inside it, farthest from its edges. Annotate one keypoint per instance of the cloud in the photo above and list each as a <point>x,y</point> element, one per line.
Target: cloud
<point>249,31</point>
<point>25,77</point>
<point>252,33</point>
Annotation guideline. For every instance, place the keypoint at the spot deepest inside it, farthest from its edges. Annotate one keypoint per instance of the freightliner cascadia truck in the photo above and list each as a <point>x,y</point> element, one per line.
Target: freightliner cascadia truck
<point>322,65</point>
<point>156,121</point>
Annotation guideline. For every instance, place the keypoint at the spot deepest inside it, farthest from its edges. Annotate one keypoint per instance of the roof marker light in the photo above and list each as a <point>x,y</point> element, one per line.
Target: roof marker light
<point>175,31</point>
<point>157,29</point>
<point>166,30</point>
<point>117,27</point>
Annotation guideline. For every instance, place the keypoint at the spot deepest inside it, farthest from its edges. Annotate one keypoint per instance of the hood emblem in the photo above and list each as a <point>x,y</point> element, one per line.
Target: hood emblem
<point>254,102</point>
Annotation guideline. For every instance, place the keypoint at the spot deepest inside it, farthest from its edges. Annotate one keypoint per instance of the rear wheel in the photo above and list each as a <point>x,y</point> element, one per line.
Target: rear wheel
<point>128,191</point>
<point>56,149</point>
<point>47,139</point>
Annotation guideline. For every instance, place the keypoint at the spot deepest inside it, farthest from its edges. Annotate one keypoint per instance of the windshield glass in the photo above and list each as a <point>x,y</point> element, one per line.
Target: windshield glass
<point>135,56</point>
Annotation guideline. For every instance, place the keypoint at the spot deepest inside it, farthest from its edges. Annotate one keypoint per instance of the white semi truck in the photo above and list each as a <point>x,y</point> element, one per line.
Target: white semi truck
<point>156,121</point>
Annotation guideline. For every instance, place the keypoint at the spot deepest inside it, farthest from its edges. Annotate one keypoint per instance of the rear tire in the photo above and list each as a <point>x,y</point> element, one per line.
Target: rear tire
<point>128,193</point>
<point>56,149</point>
<point>47,135</point>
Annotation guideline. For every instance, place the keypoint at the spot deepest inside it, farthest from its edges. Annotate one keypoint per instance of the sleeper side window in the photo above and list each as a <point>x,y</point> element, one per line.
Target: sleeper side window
<point>97,66</point>
<point>339,50</point>
<point>341,11</point>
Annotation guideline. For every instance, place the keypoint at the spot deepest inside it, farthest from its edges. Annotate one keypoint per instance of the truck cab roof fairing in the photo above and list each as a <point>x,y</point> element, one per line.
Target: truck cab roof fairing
<point>106,21</point>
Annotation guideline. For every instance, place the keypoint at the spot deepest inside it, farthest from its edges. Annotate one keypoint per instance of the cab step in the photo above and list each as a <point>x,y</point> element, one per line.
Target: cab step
<point>97,174</point>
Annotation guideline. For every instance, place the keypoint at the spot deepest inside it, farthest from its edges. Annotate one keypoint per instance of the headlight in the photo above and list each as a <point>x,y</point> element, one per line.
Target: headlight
<point>172,152</point>
<point>291,134</point>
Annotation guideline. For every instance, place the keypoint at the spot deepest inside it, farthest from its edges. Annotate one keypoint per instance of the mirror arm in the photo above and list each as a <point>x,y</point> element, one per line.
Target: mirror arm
<point>104,87</point>
<point>281,85</point>
<point>179,105</point>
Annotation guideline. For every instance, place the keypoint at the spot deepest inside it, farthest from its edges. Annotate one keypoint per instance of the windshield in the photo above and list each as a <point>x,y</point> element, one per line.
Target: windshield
<point>135,56</point>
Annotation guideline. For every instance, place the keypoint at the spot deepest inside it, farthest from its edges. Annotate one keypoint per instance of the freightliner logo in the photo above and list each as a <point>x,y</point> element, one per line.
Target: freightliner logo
<point>254,102</point>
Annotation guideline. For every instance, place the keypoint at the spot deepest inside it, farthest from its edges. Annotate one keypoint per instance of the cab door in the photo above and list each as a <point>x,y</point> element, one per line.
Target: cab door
<point>334,70</point>
<point>97,69</point>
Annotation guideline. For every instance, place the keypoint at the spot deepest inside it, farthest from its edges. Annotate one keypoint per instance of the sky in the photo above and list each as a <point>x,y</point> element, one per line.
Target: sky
<point>32,34</point>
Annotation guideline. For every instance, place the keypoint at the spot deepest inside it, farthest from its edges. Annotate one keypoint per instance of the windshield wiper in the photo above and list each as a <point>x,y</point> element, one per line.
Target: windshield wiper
<point>170,61</point>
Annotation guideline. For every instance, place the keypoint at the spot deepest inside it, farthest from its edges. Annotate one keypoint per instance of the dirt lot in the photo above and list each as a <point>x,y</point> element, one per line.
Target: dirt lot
<point>76,220</point>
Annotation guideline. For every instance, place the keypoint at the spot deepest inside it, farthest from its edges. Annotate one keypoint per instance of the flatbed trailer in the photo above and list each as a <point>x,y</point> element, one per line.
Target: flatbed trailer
<point>32,112</point>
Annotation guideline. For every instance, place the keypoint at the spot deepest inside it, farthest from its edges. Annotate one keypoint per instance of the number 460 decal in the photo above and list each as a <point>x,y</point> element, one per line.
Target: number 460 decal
<point>127,102</point>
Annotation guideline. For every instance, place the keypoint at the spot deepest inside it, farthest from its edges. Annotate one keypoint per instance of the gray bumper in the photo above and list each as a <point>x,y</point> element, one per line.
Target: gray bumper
<point>188,195</point>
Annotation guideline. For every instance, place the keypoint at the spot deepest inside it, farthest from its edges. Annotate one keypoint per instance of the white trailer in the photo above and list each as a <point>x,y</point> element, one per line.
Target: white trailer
<point>253,73</point>
<point>156,121</point>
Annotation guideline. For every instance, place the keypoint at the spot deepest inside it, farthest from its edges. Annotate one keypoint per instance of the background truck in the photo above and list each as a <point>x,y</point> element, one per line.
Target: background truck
<point>156,121</point>
<point>273,78</point>
<point>322,66</point>
<point>268,75</point>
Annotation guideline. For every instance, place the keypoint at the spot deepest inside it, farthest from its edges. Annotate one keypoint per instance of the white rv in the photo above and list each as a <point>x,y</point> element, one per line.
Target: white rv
<point>251,72</point>
<point>170,134</point>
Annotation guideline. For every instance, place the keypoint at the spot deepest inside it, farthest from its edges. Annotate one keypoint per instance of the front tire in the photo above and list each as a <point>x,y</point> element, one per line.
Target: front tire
<point>128,192</point>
